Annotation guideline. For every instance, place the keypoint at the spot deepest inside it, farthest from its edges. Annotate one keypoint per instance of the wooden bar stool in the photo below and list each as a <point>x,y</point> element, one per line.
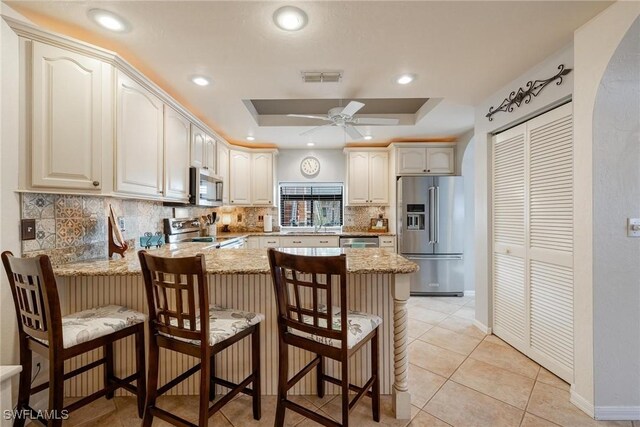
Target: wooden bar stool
<point>42,328</point>
<point>178,297</point>
<point>307,319</point>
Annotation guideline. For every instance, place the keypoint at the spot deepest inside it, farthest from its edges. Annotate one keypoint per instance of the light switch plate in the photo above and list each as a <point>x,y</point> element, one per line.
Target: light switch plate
<point>633,227</point>
<point>122,224</point>
<point>28,229</point>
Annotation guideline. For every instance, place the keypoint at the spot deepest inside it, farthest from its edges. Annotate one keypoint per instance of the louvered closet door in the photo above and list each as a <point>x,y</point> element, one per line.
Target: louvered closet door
<point>551,240</point>
<point>509,248</point>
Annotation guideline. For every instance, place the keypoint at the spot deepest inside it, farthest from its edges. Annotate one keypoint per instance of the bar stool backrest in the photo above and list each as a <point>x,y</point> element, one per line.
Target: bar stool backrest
<point>35,296</point>
<point>177,295</point>
<point>305,288</point>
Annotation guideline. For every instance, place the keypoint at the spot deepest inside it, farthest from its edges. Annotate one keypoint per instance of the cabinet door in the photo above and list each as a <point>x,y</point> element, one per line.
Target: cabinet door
<point>388,243</point>
<point>66,122</point>
<point>412,160</point>
<point>269,242</point>
<point>239,177</point>
<point>210,154</point>
<point>440,161</point>
<point>177,132</point>
<point>198,147</point>
<point>358,182</point>
<point>379,178</point>
<point>139,139</point>
<point>223,171</point>
<point>262,179</point>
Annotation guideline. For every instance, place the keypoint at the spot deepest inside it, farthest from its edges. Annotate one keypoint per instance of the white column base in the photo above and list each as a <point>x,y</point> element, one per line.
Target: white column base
<point>401,397</point>
<point>401,404</point>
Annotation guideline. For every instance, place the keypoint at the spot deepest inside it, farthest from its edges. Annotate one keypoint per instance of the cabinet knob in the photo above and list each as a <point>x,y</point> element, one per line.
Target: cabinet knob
<point>96,183</point>
<point>424,170</point>
<point>159,191</point>
<point>428,170</point>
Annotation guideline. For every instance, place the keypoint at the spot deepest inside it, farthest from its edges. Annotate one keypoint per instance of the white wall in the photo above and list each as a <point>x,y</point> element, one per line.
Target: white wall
<point>468,171</point>
<point>332,165</point>
<point>550,96</point>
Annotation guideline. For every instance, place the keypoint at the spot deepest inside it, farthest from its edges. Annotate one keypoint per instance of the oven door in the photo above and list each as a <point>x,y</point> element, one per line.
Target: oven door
<point>205,189</point>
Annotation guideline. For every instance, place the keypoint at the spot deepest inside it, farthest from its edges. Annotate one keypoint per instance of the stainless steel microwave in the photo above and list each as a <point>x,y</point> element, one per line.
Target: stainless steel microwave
<point>205,189</point>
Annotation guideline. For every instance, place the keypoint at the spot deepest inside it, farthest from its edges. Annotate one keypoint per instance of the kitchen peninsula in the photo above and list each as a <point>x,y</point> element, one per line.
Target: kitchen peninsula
<point>378,284</point>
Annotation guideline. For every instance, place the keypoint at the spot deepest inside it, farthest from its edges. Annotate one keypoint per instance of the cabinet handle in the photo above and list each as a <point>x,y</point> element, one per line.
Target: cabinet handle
<point>297,241</point>
<point>324,241</point>
<point>205,167</point>
<point>96,183</point>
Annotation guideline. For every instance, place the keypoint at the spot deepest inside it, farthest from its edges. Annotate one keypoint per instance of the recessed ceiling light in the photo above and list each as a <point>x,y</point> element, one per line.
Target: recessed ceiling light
<point>310,144</point>
<point>200,80</point>
<point>405,79</point>
<point>250,138</point>
<point>290,18</point>
<point>368,137</point>
<point>108,20</point>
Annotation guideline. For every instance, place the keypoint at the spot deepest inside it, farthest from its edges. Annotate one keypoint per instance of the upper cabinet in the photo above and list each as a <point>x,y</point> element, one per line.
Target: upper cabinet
<point>177,132</point>
<point>239,177</point>
<point>66,121</point>
<point>210,154</point>
<point>262,190</point>
<point>203,150</point>
<point>139,139</point>
<point>426,160</point>
<point>223,170</point>
<point>368,178</point>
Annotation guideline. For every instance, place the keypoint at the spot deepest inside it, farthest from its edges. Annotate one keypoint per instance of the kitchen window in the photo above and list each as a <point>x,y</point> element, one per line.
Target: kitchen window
<point>318,205</point>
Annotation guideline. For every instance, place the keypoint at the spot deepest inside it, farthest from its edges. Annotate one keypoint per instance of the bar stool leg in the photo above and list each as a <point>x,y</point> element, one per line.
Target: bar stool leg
<point>24,392</point>
<point>283,373</point>
<point>152,383</point>
<point>212,390</point>
<point>375,370</point>
<point>107,350</point>
<point>345,392</point>
<point>320,377</point>
<point>255,366</point>
<point>205,384</point>
<point>141,380</point>
<point>56,390</point>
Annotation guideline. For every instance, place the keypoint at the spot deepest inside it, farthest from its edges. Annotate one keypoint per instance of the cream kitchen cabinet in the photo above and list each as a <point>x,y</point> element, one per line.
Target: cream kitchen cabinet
<point>139,139</point>
<point>253,242</point>
<point>269,242</point>
<point>387,243</point>
<point>262,190</point>
<point>222,170</point>
<point>67,132</point>
<point>239,177</point>
<point>426,160</point>
<point>368,178</point>
<point>203,148</point>
<point>210,154</point>
<point>309,241</point>
<point>177,132</point>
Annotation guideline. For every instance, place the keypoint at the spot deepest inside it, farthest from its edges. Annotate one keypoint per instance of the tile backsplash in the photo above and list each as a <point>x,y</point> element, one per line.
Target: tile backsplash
<point>74,228</point>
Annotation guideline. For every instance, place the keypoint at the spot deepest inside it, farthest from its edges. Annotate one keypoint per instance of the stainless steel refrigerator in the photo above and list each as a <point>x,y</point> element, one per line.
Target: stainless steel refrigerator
<point>431,232</point>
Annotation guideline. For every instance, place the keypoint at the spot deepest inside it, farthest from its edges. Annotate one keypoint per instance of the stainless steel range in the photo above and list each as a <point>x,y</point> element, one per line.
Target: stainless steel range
<point>184,230</point>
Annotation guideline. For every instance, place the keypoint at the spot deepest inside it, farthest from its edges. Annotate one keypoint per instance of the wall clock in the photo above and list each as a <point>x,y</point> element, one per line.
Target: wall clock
<point>310,166</point>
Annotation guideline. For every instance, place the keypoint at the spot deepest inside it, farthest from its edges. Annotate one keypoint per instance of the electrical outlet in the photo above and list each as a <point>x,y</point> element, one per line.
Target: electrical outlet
<point>260,218</point>
<point>28,229</point>
<point>239,217</point>
<point>633,227</point>
<point>122,224</point>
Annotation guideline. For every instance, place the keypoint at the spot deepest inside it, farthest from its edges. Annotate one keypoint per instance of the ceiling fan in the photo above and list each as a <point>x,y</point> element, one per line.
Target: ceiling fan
<point>343,117</point>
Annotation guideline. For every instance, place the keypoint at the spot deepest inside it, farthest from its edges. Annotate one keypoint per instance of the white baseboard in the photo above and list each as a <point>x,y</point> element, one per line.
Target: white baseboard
<point>469,293</point>
<point>581,403</point>
<point>484,328</point>
<point>618,413</point>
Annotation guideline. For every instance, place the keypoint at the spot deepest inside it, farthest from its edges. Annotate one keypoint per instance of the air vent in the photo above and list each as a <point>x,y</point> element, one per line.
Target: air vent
<point>321,76</point>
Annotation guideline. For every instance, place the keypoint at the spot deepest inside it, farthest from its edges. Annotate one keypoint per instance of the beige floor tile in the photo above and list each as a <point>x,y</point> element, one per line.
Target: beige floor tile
<point>319,402</point>
<point>531,420</point>
<point>450,340</point>
<point>240,414</point>
<point>423,384</point>
<point>455,300</point>
<point>417,328</point>
<point>495,340</point>
<point>438,304</point>
<point>553,404</point>
<point>461,326</point>
<point>466,313</point>
<point>471,303</point>
<point>426,420</point>
<point>95,409</point>
<point>361,415</point>
<point>462,406</point>
<point>547,377</point>
<point>108,420</point>
<point>498,383</point>
<point>506,358</point>
<point>426,315</point>
<point>433,358</point>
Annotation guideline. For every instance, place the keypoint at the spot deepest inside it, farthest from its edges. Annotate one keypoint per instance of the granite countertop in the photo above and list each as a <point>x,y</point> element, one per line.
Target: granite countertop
<point>240,261</point>
<point>233,234</point>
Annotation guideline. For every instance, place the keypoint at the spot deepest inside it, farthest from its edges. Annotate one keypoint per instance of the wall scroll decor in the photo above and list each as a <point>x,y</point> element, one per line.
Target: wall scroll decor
<point>532,89</point>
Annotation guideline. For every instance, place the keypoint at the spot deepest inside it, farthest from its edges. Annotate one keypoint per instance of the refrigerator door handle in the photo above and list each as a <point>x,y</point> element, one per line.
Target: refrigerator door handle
<point>436,209</point>
<point>432,218</point>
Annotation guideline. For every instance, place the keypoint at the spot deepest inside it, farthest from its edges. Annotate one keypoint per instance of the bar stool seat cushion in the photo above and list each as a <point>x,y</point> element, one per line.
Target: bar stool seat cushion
<point>223,323</point>
<point>359,324</point>
<point>96,322</point>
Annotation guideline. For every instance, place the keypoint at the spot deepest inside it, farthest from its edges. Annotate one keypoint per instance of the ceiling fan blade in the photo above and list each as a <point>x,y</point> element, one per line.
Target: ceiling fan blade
<point>312,130</point>
<point>352,108</point>
<point>375,121</point>
<point>353,132</point>
<point>305,116</point>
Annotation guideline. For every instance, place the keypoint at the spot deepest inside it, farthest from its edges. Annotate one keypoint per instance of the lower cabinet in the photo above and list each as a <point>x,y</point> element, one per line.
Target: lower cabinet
<point>387,243</point>
<point>269,242</point>
<point>309,241</point>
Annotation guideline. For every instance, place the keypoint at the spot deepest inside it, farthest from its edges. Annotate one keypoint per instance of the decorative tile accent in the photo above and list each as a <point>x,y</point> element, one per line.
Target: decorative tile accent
<point>69,232</point>
<point>38,206</point>
<point>95,229</point>
<point>68,206</point>
<point>93,207</point>
<point>45,236</point>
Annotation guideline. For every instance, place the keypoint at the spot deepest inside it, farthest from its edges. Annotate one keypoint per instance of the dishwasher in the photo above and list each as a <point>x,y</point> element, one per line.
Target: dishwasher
<point>359,242</point>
